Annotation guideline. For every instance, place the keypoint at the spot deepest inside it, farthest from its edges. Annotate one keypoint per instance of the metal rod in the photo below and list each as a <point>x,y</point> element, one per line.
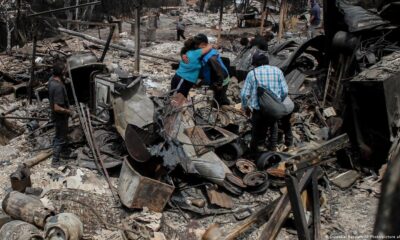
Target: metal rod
<point>79,22</point>
<point>107,46</point>
<point>64,9</point>
<point>137,39</point>
<point>32,78</point>
<point>80,114</point>
<point>26,118</point>
<point>221,11</point>
<point>96,148</point>
<point>114,46</point>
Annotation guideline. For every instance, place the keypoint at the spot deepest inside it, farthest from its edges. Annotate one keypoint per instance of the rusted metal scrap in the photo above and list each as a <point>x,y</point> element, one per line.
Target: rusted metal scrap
<point>219,198</point>
<point>27,208</point>
<point>178,121</point>
<point>137,191</point>
<point>64,226</point>
<point>21,179</point>
<point>20,230</point>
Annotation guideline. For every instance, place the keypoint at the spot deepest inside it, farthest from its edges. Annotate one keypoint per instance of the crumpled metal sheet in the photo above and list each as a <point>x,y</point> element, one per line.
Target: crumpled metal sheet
<point>132,106</point>
<point>211,167</point>
<point>111,147</point>
<point>357,18</point>
<point>219,198</point>
<point>202,141</point>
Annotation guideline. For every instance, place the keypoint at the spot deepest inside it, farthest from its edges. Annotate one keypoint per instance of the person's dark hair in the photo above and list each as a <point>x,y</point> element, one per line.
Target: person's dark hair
<point>244,41</point>
<point>259,59</point>
<point>201,38</point>
<point>58,69</point>
<point>188,45</point>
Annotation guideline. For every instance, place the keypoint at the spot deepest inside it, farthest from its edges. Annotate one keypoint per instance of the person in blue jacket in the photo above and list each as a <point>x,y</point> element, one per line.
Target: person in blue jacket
<point>188,71</point>
<point>214,71</point>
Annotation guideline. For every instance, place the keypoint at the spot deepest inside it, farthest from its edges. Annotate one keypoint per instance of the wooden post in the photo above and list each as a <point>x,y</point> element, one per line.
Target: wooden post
<point>263,16</point>
<point>32,78</point>
<point>282,14</point>
<point>77,14</point>
<point>221,10</point>
<point>137,38</point>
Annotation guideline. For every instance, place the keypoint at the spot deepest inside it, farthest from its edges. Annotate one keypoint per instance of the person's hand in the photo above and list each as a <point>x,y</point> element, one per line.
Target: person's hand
<point>185,59</point>
<point>246,111</point>
<point>73,114</point>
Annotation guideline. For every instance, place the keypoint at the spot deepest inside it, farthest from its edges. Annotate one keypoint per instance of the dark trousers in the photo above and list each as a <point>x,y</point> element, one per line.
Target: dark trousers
<point>286,127</point>
<point>179,34</point>
<point>261,125</point>
<point>181,85</point>
<point>60,138</point>
<point>220,95</point>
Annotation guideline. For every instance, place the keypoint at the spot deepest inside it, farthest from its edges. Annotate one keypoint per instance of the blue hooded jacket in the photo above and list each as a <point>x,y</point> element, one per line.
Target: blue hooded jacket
<point>206,69</point>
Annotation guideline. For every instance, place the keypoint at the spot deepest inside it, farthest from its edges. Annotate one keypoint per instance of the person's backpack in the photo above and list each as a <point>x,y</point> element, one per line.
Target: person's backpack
<point>270,104</point>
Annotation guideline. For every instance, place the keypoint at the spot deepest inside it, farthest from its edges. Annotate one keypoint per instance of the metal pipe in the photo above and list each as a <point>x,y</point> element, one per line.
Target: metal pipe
<point>107,46</point>
<point>137,39</point>
<point>26,118</point>
<point>64,9</point>
<point>96,148</point>
<point>32,78</point>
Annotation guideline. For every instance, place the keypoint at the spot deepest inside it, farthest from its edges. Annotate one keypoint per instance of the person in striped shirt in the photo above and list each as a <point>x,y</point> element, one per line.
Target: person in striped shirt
<point>267,77</point>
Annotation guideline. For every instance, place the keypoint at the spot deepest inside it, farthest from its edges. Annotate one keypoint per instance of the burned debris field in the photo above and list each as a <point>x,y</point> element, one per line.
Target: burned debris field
<point>199,119</point>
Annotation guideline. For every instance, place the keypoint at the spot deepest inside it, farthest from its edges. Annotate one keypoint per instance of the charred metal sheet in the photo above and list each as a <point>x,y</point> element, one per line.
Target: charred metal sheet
<point>295,80</point>
<point>357,18</point>
<point>82,60</point>
<point>219,198</point>
<point>137,191</point>
<point>111,146</point>
<point>205,138</point>
<point>390,11</point>
<point>309,46</point>
<point>211,167</point>
<point>132,106</point>
<point>134,144</point>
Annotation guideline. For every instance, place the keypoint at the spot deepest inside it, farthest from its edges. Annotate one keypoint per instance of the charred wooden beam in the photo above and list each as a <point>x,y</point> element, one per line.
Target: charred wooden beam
<point>114,46</point>
<point>282,210</point>
<point>314,156</point>
<point>64,9</point>
<point>78,22</point>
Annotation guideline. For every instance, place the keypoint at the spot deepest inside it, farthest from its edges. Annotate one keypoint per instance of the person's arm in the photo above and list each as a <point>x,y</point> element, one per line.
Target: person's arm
<point>216,66</point>
<point>59,100</point>
<point>59,109</point>
<point>312,15</point>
